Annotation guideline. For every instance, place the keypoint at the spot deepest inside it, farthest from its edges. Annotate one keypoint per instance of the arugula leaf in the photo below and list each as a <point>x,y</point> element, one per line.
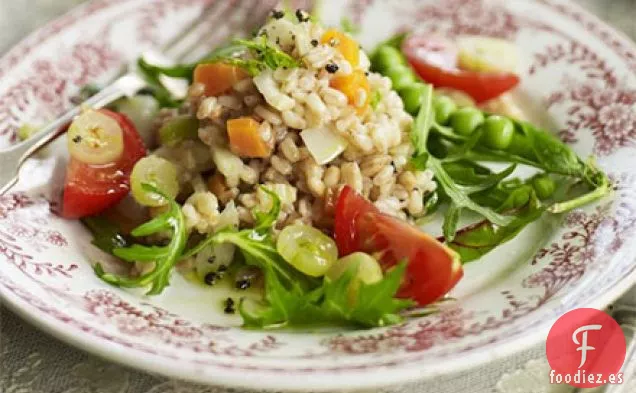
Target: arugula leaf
<point>374,305</point>
<point>603,187</point>
<point>423,122</point>
<point>165,258</point>
<point>186,71</point>
<point>159,91</point>
<point>451,220</point>
<point>106,235</point>
<point>474,177</point>
<point>459,197</point>
<point>183,71</point>
<point>477,240</point>
<point>292,298</point>
<point>553,155</point>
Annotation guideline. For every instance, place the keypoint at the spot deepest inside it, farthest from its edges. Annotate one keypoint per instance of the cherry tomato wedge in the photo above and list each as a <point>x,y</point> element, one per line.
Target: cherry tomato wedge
<point>433,269</point>
<point>435,61</point>
<point>91,189</point>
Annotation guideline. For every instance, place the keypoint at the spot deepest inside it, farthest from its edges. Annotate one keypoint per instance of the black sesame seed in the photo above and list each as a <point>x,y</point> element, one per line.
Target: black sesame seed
<point>277,41</point>
<point>210,278</point>
<point>229,306</point>
<point>278,14</point>
<point>314,42</point>
<point>293,37</point>
<point>77,139</point>
<point>211,259</point>
<point>332,68</point>
<point>243,284</point>
<point>222,269</point>
<point>366,73</point>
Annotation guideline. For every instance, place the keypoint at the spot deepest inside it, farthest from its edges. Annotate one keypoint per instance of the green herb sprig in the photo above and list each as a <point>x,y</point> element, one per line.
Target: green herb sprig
<point>164,258</point>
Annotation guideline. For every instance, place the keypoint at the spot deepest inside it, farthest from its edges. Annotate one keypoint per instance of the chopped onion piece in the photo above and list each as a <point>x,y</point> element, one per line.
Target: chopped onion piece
<point>228,163</point>
<point>323,144</point>
<point>266,85</point>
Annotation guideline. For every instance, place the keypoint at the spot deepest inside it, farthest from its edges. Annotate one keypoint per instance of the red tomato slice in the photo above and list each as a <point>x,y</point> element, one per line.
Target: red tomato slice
<point>435,61</point>
<point>433,269</point>
<point>91,189</point>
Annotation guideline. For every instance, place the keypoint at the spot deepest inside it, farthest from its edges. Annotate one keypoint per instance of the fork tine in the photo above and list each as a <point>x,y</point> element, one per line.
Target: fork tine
<point>209,12</point>
<point>244,16</point>
<point>215,30</point>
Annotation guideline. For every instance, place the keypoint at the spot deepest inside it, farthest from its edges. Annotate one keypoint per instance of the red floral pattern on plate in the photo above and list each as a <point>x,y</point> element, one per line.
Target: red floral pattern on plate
<point>588,241</point>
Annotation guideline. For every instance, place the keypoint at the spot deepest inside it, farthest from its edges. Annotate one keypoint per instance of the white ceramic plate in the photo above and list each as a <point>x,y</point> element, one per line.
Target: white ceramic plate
<point>576,70</point>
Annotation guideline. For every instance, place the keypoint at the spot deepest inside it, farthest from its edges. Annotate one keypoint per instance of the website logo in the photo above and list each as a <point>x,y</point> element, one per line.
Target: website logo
<point>586,348</point>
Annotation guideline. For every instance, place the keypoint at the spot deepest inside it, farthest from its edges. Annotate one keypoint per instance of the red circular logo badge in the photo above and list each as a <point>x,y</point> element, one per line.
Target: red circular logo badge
<point>586,348</point>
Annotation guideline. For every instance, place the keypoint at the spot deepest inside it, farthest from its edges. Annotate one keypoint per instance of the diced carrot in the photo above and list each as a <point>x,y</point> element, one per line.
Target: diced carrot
<point>348,47</point>
<point>354,86</point>
<point>245,138</point>
<point>218,78</point>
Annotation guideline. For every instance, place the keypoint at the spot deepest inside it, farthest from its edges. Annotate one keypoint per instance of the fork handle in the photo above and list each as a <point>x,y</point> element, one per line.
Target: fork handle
<point>126,85</point>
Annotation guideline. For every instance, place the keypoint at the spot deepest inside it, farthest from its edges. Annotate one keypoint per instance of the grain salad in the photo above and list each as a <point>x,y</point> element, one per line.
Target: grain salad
<point>297,109</point>
<point>298,167</point>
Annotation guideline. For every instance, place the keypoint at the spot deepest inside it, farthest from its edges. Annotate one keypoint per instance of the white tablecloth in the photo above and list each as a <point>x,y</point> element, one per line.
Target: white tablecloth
<point>33,362</point>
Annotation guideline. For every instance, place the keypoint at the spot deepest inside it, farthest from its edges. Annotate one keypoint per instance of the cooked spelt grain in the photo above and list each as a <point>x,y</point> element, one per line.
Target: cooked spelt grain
<point>248,200</point>
<point>244,86</point>
<point>209,108</point>
<point>266,133</point>
<point>333,97</point>
<point>212,135</point>
<point>289,149</point>
<point>281,165</point>
<point>400,192</point>
<point>280,133</point>
<point>372,165</point>
<point>367,187</point>
<point>416,203</point>
<point>269,115</point>
<point>249,174</point>
<point>384,176</point>
<point>231,102</point>
<point>303,153</point>
<point>360,98</point>
<point>408,180</point>
<point>245,215</point>
<point>315,104</point>
<point>332,176</point>
<point>293,120</point>
<point>304,207</point>
<point>350,175</point>
<point>196,90</point>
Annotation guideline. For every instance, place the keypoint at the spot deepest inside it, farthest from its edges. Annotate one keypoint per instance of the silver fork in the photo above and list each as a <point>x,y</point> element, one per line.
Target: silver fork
<point>222,17</point>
